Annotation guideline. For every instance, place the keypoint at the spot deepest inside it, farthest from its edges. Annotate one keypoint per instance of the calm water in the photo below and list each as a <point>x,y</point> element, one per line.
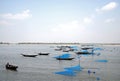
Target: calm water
<point>43,68</point>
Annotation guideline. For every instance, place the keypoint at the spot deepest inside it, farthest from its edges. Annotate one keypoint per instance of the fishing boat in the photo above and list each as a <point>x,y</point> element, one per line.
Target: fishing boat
<point>11,67</point>
<point>43,53</point>
<point>58,49</point>
<point>64,58</point>
<point>65,50</point>
<point>86,48</point>
<point>26,55</point>
<point>80,53</point>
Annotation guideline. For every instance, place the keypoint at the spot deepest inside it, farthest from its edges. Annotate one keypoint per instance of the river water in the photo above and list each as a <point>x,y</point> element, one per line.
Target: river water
<point>43,68</point>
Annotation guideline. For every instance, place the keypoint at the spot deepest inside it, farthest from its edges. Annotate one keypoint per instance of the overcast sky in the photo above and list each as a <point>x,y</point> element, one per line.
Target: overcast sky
<point>84,21</point>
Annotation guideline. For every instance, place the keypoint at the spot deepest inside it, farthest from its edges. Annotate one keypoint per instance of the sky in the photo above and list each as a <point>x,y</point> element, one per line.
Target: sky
<point>52,21</point>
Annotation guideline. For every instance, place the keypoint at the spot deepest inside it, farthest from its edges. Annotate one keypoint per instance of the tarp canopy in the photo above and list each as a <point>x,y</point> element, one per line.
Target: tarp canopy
<point>63,56</point>
<point>74,47</point>
<point>66,73</point>
<point>86,51</point>
<point>97,49</point>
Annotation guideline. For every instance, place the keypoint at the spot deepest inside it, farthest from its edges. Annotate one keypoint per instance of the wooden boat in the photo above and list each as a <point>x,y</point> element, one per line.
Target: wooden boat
<point>65,50</point>
<point>11,67</point>
<point>28,55</point>
<point>86,48</point>
<point>43,53</point>
<point>80,53</point>
<point>58,49</point>
<point>64,58</point>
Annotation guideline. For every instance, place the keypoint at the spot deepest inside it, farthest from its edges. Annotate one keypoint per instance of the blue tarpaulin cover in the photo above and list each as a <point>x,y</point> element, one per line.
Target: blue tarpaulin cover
<point>87,52</point>
<point>75,48</point>
<point>97,49</point>
<point>84,51</point>
<point>63,56</point>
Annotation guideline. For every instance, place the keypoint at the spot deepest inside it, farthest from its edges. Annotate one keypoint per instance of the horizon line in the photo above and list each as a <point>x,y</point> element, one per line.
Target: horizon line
<point>112,43</point>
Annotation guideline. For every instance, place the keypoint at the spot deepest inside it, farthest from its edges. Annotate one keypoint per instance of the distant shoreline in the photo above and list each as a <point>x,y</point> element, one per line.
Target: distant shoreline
<point>27,43</point>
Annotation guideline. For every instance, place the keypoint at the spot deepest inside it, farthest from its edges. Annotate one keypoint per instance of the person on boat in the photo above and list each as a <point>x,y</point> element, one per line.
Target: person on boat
<point>89,72</point>
<point>7,65</point>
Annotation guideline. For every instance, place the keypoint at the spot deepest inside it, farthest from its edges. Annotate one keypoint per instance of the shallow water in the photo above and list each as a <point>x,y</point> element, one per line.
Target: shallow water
<point>43,68</point>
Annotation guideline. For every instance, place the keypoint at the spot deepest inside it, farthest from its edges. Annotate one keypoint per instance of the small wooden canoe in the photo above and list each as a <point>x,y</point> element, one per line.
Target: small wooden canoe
<point>82,53</point>
<point>11,67</point>
<point>86,48</point>
<point>64,58</point>
<point>43,53</point>
<point>25,55</point>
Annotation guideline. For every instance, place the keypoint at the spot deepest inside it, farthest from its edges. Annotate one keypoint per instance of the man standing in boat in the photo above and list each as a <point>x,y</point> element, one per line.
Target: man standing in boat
<point>7,65</point>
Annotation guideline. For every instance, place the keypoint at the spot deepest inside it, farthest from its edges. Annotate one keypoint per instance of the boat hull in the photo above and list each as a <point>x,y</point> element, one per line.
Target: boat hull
<point>64,58</point>
<point>11,67</point>
<point>28,55</point>
<point>43,53</point>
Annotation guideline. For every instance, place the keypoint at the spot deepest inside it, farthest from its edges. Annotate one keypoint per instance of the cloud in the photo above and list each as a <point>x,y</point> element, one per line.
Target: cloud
<point>108,7</point>
<point>5,23</point>
<point>73,31</point>
<point>87,20</point>
<point>73,28</point>
<point>67,30</point>
<point>66,27</point>
<point>19,16</point>
<point>109,20</point>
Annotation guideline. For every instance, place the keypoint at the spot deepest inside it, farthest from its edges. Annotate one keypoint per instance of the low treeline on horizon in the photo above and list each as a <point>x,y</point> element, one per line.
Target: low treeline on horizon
<point>59,43</point>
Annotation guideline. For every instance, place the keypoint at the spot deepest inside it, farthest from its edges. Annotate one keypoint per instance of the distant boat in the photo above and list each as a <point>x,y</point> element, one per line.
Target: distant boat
<point>65,55</point>
<point>43,53</point>
<point>65,50</point>
<point>80,53</point>
<point>86,48</point>
<point>64,58</point>
<point>25,55</point>
<point>11,67</point>
<point>58,49</point>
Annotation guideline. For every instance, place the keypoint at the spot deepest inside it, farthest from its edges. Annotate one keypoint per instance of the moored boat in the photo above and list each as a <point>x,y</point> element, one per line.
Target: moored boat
<point>26,55</point>
<point>58,49</point>
<point>86,48</point>
<point>80,53</point>
<point>64,58</point>
<point>43,53</point>
<point>11,67</point>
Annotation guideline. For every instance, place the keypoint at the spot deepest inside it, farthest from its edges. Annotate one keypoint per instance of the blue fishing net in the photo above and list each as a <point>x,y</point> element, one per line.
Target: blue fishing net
<point>101,60</point>
<point>75,68</point>
<point>66,73</point>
